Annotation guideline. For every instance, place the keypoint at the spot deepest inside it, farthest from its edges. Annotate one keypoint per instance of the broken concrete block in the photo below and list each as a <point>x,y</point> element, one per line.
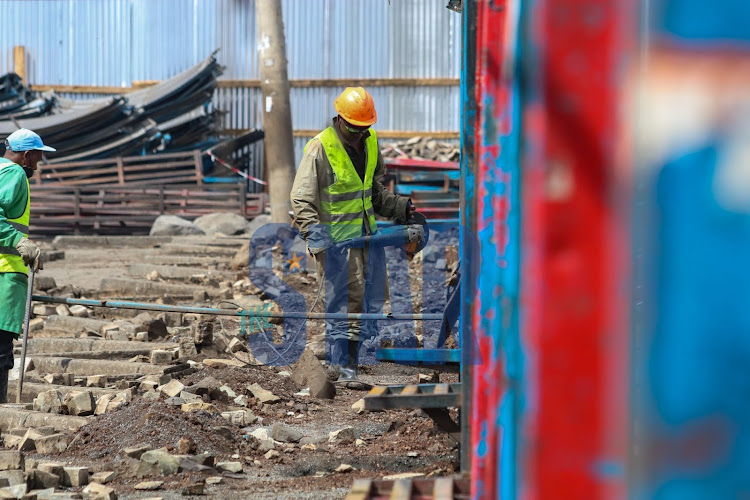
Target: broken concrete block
<point>205,386</point>
<point>82,404</point>
<point>196,406</point>
<point>148,485</point>
<point>233,467</point>
<point>79,311</point>
<point>136,451</point>
<point>52,445</point>
<point>75,476</point>
<point>156,462</point>
<point>97,491</point>
<point>172,388</point>
<point>160,357</point>
<point>102,477</point>
<point>11,460</point>
<point>62,310</point>
<point>97,381</point>
<point>263,395</point>
<point>48,402</point>
<point>347,435</point>
<point>42,479</point>
<point>284,433</point>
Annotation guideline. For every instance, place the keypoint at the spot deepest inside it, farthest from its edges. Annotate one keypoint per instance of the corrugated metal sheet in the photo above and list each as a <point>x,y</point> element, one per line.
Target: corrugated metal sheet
<point>116,42</point>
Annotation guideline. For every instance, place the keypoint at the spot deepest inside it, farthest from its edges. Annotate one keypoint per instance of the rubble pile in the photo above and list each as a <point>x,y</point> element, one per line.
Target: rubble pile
<point>421,148</point>
<point>123,401</point>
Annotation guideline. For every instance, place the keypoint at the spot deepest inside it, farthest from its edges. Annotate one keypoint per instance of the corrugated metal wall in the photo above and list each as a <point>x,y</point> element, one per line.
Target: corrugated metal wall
<point>116,42</point>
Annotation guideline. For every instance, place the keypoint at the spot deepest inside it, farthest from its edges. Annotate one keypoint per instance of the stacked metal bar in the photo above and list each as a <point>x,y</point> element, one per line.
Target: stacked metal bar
<point>170,116</point>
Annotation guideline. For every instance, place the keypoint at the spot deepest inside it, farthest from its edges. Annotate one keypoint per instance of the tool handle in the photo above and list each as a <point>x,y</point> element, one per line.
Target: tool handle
<point>25,340</point>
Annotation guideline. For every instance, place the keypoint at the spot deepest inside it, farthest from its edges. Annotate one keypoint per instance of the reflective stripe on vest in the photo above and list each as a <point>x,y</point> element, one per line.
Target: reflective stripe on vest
<point>347,202</point>
<point>10,259</point>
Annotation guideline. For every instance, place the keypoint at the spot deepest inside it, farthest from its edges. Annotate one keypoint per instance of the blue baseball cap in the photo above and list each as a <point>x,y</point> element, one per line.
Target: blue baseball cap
<point>26,140</point>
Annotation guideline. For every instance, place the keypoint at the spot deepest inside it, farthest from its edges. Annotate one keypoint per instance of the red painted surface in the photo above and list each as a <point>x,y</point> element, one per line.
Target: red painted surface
<point>574,320</point>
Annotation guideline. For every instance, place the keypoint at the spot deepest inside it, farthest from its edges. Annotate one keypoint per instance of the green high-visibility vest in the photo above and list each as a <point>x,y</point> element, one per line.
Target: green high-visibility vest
<point>10,259</point>
<point>347,202</point>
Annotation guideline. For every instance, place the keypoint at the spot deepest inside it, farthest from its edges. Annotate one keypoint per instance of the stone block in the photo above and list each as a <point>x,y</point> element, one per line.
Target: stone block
<point>97,491</point>
<point>232,467</point>
<point>79,311</point>
<point>13,477</point>
<point>11,460</point>
<point>285,434</point>
<point>48,402</point>
<point>62,310</point>
<point>75,476</point>
<point>136,451</point>
<point>199,406</point>
<point>43,310</point>
<point>54,444</point>
<point>52,467</point>
<point>159,357</point>
<point>263,395</point>
<point>97,381</point>
<point>155,463</point>
<point>172,388</point>
<point>18,491</point>
<point>82,404</point>
<point>102,477</point>
<point>42,479</point>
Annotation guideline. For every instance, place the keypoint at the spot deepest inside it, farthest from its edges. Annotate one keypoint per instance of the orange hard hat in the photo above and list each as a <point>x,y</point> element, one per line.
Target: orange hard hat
<point>355,105</point>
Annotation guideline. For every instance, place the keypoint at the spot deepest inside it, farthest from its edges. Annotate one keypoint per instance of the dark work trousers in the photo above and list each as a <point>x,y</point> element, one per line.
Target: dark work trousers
<point>6,350</point>
<point>355,282</point>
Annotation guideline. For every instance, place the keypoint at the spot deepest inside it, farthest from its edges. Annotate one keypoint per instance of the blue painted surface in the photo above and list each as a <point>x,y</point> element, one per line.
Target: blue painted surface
<point>701,21</point>
<point>697,341</point>
<point>429,356</point>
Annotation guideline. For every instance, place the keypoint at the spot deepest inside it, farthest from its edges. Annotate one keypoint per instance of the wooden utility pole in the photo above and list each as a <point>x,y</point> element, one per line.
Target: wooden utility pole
<point>19,62</point>
<point>277,114</point>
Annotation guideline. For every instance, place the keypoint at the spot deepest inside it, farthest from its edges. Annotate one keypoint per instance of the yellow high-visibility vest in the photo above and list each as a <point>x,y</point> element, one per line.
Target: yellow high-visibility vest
<point>347,202</point>
<point>10,259</point>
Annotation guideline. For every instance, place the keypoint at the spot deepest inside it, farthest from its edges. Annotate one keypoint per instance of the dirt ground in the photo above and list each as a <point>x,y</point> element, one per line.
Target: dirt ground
<point>391,442</point>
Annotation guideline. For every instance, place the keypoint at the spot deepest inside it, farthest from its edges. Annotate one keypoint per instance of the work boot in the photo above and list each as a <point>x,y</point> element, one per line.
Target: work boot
<point>4,386</point>
<point>348,372</point>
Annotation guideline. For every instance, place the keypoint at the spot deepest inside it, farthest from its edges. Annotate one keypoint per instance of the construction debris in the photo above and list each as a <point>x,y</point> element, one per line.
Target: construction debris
<point>421,148</point>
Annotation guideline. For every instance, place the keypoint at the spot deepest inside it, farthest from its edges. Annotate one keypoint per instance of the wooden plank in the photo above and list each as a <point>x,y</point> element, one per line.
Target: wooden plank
<point>387,134</point>
<point>401,490</point>
<point>19,62</point>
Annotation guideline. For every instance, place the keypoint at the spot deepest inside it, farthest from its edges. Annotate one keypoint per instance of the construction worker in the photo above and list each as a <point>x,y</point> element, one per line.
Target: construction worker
<point>336,194</point>
<point>23,150</point>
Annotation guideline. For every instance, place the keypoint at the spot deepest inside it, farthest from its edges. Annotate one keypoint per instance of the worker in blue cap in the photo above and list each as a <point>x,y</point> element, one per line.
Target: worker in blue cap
<point>23,150</point>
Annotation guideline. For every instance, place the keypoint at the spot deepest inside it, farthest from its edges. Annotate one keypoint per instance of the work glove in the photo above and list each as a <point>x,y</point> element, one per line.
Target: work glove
<point>30,253</point>
<point>410,209</point>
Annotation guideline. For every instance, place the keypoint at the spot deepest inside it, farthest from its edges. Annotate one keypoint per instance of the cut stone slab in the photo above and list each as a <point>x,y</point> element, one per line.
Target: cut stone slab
<point>58,345</point>
<point>11,418</point>
<point>199,406</point>
<point>134,288</point>
<point>42,479</point>
<point>43,309</point>
<point>54,444</point>
<point>13,477</point>
<point>102,477</point>
<point>263,395</point>
<point>233,467</point>
<point>148,485</point>
<point>18,491</point>
<point>97,491</point>
<point>75,476</point>
<point>86,367</point>
<point>28,441</point>
<point>159,357</point>
<point>11,460</point>
<point>55,468</point>
<point>73,324</point>
<point>32,390</point>
<point>172,389</point>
